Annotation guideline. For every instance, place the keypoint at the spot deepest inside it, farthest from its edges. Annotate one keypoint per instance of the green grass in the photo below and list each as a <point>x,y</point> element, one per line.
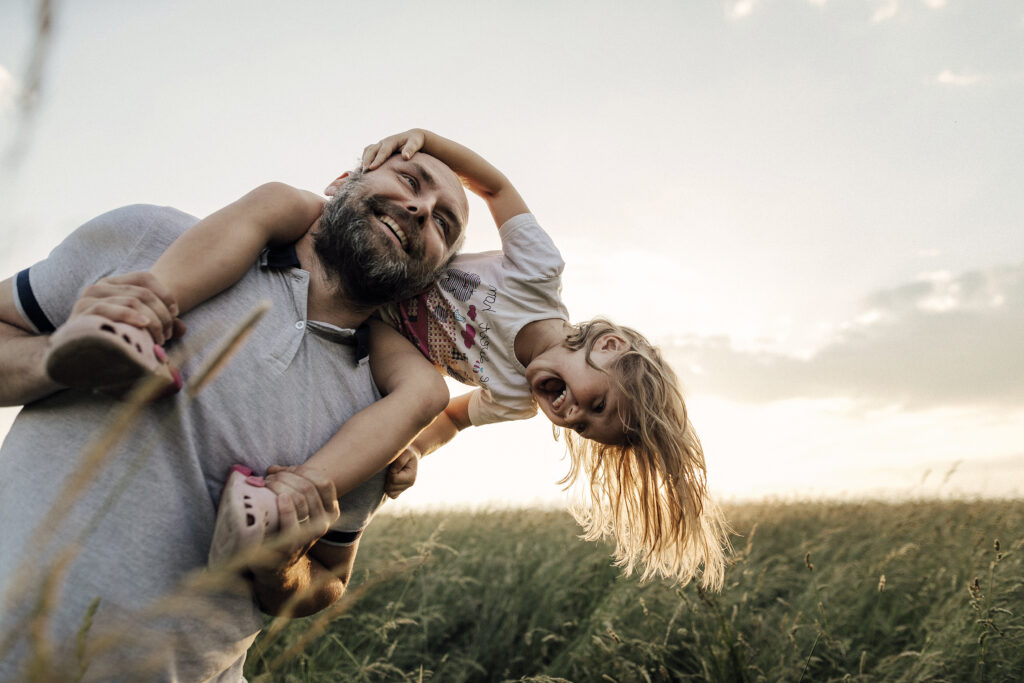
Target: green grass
<point>515,595</point>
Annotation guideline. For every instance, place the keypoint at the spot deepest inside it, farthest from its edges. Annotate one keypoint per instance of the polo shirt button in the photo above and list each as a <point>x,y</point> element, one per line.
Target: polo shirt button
<point>299,325</point>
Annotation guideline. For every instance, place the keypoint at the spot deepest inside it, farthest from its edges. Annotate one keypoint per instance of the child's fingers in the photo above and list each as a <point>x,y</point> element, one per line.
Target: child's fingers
<point>383,152</point>
<point>369,153</point>
<point>412,142</point>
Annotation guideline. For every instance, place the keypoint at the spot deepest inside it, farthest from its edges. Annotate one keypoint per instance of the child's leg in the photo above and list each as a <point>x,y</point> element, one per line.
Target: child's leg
<point>92,352</point>
<point>246,514</point>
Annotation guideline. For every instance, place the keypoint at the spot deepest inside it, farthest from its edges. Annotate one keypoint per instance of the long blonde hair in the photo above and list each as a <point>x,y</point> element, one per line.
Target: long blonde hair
<point>650,492</point>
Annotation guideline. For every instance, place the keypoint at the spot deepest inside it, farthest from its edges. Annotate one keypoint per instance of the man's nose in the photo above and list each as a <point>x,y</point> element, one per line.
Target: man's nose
<point>418,210</point>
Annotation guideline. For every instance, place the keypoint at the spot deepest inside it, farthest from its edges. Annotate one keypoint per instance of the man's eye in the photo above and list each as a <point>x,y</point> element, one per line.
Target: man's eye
<point>443,223</point>
<point>412,181</point>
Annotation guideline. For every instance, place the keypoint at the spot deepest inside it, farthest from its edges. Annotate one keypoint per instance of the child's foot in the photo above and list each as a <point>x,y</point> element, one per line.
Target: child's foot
<point>91,352</point>
<point>247,513</point>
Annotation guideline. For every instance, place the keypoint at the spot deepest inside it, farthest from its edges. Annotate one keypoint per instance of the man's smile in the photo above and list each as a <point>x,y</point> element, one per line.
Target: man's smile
<point>396,230</point>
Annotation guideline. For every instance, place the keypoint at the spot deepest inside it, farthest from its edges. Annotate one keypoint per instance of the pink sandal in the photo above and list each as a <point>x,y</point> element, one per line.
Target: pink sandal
<point>91,352</point>
<point>247,513</point>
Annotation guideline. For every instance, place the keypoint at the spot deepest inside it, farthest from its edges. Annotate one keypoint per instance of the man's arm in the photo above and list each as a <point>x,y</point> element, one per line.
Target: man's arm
<point>288,581</point>
<point>482,178</point>
<point>21,355</point>
<point>134,298</point>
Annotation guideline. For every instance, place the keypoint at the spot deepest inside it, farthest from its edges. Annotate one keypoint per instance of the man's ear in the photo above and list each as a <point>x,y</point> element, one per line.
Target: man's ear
<point>336,184</point>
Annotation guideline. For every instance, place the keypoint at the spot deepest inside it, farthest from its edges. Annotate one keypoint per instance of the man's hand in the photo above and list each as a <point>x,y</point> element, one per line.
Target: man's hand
<point>137,299</point>
<point>307,506</point>
<point>402,473</point>
<point>286,579</point>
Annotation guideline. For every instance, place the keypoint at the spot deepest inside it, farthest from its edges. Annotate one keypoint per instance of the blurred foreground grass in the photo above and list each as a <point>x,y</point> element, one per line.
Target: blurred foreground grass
<point>921,591</point>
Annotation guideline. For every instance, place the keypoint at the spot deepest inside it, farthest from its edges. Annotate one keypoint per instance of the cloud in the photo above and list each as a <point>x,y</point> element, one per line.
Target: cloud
<point>934,4</point>
<point>960,80</point>
<point>943,340</point>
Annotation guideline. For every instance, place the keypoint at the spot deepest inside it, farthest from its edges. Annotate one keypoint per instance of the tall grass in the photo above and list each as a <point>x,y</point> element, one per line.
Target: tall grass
<point>818,592</point>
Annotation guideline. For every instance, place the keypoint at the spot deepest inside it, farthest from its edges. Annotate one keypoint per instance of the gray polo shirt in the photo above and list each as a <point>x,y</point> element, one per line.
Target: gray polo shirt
<point>145,520</point>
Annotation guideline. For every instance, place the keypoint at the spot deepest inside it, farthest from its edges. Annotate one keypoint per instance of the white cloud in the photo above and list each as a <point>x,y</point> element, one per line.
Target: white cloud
<point>886,11</point>
<point>960,80</point>
<point>941,340</point>
<point>743,8</point>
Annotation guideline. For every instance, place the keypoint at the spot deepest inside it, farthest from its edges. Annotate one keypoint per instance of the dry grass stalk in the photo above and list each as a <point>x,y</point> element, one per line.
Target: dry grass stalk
<point>217,361</point>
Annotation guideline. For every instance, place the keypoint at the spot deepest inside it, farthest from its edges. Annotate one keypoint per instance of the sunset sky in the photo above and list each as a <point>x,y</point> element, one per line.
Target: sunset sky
<point>814,206</point>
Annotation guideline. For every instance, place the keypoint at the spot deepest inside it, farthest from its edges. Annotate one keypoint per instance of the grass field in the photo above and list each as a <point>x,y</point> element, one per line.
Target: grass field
<point>921,591</point>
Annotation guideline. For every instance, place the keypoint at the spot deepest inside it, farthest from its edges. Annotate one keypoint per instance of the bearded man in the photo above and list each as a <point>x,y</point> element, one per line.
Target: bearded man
<point>139,524</point>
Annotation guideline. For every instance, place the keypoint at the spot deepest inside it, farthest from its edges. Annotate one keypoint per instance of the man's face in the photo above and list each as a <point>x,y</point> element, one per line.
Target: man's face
<point>387,233</point>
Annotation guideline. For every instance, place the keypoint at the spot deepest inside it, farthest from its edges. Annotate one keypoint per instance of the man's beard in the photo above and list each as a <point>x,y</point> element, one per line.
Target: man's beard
<point>361,259</point>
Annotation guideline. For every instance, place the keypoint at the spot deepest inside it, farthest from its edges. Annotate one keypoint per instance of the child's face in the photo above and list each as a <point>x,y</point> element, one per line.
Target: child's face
<point>573,394</point>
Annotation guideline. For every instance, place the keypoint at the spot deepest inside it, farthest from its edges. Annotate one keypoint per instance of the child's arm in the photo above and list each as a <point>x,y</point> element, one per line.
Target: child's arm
<point>477,173</point>
<point>443,429</point>
<point>218,250</point>
<point>414,394</point>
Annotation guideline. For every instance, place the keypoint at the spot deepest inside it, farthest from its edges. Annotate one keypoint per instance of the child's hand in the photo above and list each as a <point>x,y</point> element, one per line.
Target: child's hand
<point>401,473</point>
<point>409,142</point>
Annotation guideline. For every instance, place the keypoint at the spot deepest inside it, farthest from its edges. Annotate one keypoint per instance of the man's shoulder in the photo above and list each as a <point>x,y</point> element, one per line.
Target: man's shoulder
<point>137,229</point>
<point>140,219</point>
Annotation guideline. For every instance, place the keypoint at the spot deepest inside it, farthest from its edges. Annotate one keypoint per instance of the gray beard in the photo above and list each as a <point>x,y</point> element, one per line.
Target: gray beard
<point>360,259</point>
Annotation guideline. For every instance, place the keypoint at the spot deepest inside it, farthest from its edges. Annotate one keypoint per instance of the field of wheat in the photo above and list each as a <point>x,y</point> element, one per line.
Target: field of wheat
<point>917,591</point>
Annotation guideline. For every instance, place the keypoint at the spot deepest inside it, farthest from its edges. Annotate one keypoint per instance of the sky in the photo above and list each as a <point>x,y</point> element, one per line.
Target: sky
<point>813,206</point>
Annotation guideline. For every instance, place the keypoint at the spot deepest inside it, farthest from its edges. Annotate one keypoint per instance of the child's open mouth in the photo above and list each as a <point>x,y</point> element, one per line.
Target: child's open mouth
<point>554,389</point>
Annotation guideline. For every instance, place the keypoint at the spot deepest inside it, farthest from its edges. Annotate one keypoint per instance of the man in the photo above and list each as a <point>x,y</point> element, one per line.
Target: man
<point>145,518</point>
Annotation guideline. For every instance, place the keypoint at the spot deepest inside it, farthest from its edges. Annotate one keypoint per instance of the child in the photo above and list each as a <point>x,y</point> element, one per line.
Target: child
<point>496,321</point>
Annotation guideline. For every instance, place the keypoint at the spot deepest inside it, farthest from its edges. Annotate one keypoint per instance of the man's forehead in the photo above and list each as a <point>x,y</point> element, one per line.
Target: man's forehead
<point>434,171</point>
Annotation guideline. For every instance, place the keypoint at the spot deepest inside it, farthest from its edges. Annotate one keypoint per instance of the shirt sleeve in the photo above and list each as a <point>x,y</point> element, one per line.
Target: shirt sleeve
<point>483,409</point>
<point>46,292</point>
<point>528,249</point>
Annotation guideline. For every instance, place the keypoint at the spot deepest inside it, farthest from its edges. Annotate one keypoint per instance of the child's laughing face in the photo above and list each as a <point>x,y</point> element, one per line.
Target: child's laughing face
<point>576,395</point>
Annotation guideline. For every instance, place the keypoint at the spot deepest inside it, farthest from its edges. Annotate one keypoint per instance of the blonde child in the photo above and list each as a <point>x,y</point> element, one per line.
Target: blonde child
<point>496,321</point>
